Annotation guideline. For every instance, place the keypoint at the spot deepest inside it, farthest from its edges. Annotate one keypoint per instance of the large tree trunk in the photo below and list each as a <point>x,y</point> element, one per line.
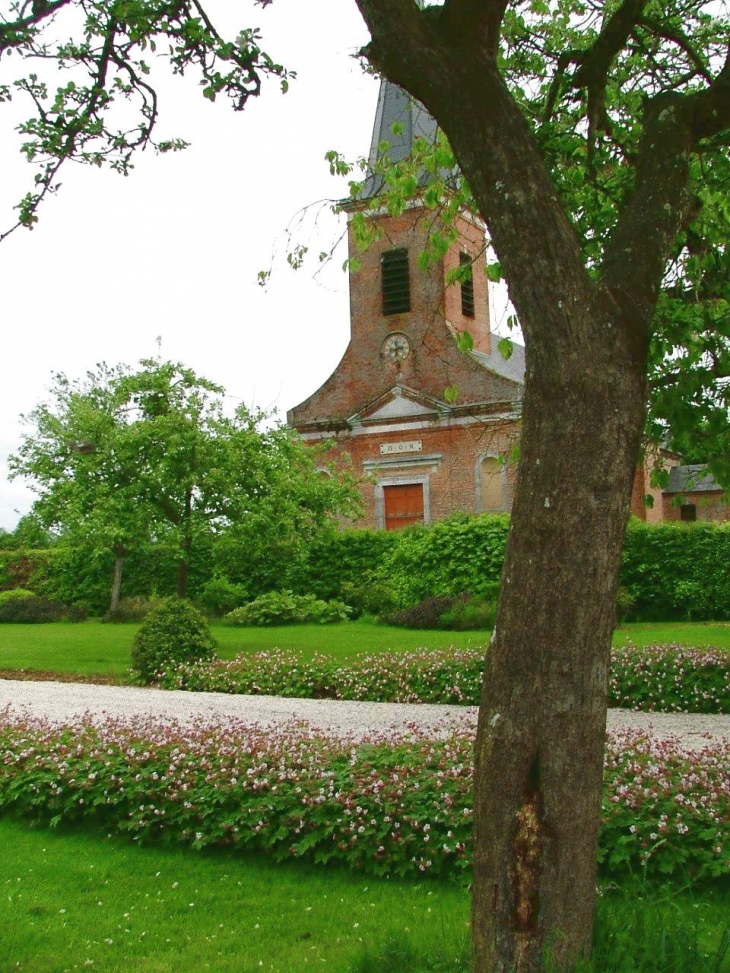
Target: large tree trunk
<point>120,554</point>
<point>540,739</point>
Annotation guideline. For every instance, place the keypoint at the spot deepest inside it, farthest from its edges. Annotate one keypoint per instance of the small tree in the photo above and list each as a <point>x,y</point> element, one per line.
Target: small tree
<point>130,457</point>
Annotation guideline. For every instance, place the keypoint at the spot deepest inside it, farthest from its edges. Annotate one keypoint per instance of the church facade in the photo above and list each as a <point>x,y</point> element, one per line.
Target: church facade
<point>426,425</point>
<point>428,428</point>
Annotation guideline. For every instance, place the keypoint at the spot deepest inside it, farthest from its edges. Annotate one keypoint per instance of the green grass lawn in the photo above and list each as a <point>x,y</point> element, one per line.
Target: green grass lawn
<point>74,901</point>
<point>93,648</point>
<point>78,901</point>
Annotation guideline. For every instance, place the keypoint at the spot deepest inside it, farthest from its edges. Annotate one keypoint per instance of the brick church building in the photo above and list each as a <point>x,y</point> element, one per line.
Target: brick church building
<point>428,427</point>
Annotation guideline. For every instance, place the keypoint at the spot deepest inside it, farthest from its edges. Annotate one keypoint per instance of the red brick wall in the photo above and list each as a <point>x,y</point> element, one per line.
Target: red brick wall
<point>710,506</point>
<point>434,361</point>
<point>453,483</point>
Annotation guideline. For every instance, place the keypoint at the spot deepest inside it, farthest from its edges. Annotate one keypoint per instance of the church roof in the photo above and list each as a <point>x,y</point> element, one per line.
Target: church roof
<point>395,107</point>
<point>512,368</point>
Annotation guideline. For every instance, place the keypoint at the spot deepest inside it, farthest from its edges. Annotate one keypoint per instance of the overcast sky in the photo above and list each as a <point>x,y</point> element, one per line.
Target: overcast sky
<point>173,250</point>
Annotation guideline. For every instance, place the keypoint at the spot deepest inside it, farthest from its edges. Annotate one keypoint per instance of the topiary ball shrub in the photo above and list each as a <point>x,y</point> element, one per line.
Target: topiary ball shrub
<point>172,633</point>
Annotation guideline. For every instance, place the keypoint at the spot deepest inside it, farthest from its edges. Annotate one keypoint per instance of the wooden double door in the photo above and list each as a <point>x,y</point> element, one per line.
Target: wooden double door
<point>403,505</point>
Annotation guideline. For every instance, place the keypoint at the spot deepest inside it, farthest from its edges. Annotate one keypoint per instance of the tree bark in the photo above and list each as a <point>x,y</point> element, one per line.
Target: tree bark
<point>187,545</point>
<point>181,587</point>
<point>120,554</point>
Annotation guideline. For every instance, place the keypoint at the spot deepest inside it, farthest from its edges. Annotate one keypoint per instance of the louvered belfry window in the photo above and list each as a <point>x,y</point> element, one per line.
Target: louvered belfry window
<point>394,281</point>
<point>467,287</point>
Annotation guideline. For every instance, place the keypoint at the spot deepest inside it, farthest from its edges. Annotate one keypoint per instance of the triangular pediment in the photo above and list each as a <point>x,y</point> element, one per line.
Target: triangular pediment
<point>399,402</point>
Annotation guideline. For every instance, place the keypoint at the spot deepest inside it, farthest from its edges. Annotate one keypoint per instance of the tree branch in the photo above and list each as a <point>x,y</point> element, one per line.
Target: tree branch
<point>710,109</point>
<point>467,19</point>
<point>15,33</point>
<point>661,204</point>
<point>598,59</point>
<point>678,38</point>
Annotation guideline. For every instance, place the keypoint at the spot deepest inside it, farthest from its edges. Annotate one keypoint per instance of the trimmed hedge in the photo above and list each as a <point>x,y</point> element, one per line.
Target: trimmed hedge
<point>173,633</point>
<point>669,571</point>
<point>677,571</point>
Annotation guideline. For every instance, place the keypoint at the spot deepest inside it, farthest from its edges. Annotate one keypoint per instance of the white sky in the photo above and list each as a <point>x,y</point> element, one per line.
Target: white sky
<point>174,249</point>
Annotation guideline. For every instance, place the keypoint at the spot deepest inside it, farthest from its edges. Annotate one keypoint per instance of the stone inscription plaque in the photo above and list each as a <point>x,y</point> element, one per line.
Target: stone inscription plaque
<point>389,449</point>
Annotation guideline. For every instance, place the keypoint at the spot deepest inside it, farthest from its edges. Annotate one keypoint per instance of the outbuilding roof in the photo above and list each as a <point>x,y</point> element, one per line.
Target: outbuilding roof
<point>512,368</point>
<point>694,478</point>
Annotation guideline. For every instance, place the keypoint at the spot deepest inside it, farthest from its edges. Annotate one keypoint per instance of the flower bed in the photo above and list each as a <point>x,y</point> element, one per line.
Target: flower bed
<point>661,678</point>
<point>394,804</point>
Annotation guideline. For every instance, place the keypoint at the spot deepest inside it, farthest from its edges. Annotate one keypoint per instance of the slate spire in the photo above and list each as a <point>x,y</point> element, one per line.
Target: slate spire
<point>395,106</point>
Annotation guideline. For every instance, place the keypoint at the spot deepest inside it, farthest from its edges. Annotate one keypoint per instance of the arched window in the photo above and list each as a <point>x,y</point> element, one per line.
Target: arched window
<point>490,484</point>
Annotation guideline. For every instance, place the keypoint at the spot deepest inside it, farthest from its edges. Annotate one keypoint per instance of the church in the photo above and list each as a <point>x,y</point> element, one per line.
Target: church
<point>421,452</point>
<point>429,429</point>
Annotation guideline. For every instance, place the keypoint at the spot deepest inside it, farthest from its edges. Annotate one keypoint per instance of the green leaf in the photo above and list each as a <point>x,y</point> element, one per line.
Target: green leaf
<point>451,394</point>
<point>464,341</point>
<point>505,348</point>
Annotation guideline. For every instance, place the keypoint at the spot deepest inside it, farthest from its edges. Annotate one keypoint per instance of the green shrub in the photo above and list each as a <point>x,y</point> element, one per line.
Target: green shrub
<point>286,608</point>
<point>219,596</point>
<point>427,613</point>
<point>175,632</point>
<point>344,557</point>
<point>376,598</point>
<point>14,593</point>
<point>132,609</point>
<point>461,613</point>
<point>461,553</point>
<point>677,571</point>
<point>34,609</point>
<point>476,613</point>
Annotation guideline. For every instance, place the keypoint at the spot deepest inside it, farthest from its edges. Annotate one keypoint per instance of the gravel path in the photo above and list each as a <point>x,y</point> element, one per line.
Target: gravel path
<point>65,701</point>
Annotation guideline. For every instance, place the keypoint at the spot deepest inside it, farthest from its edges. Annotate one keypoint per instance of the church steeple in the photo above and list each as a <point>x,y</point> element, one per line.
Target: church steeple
<point>395,107</point>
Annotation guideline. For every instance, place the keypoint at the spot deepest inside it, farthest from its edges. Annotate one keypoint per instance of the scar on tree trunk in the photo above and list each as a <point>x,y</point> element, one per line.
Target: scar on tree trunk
<point>526,866</point>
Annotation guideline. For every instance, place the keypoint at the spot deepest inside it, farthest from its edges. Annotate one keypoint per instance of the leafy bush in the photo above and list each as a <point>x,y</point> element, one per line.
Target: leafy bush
<point>174,632</point>
<point>461,553</point>
<point>677,571</point>
<point>625,606</point>
<point>219,596</point>
<point>376,598</point>
<point>33,609</point>
<point>132,609</point>
<point>463,612</point>
<point>6,596</point>
<point>427,613</point>
<point>286,608</point>
<point>476,614</point>
<point>346,557</point>
<point>659,678</point>
<point>396,804</point>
